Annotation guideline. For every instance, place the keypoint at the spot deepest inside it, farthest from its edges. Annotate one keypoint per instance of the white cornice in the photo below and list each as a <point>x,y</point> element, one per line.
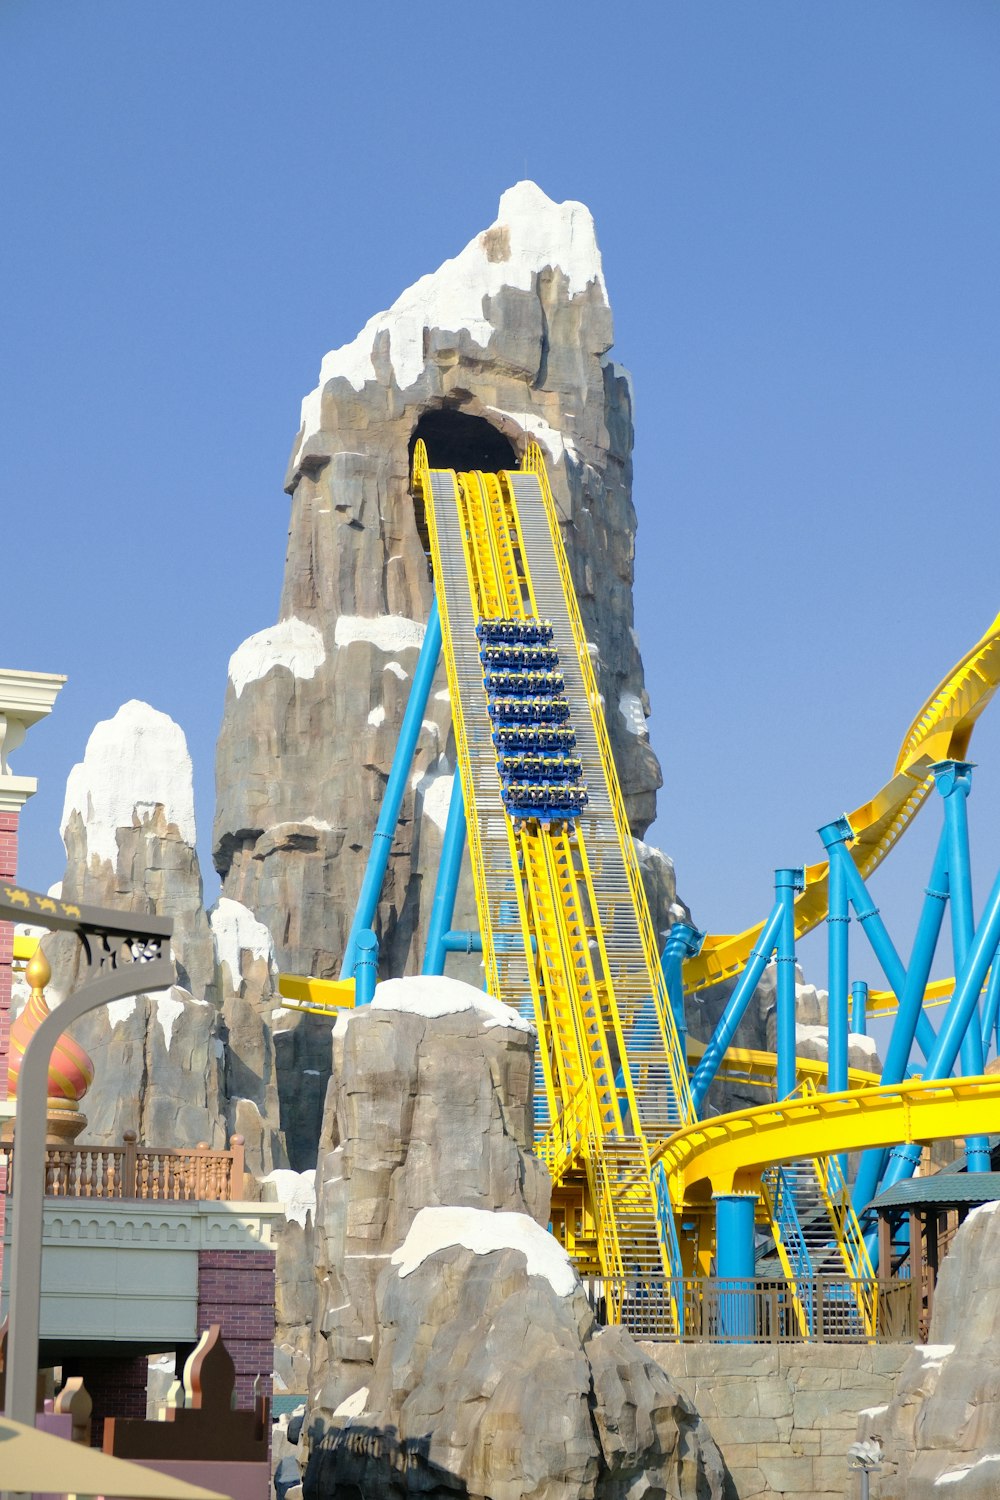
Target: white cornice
<point>15,791</point>
<point>28,696</point>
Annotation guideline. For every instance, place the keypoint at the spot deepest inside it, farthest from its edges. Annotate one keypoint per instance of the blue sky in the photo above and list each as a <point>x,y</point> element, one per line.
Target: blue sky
<point>799,213</point>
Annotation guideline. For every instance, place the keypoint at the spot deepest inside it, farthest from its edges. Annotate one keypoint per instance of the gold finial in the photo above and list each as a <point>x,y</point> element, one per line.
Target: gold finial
<point>39,971</point>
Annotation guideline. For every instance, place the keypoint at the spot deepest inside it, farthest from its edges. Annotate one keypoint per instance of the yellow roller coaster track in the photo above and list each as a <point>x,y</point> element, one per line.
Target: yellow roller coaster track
<point>728,1153</point>
<point>567,935</point>
<point>941,731</point>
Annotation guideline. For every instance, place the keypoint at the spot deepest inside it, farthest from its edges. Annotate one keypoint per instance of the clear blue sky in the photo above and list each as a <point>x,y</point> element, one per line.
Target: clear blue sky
<point>799,212</point>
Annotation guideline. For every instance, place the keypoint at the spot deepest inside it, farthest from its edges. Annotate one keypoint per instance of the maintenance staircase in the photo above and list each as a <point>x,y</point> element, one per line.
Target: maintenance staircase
<point>816,1233</point>
<point>567,936</point>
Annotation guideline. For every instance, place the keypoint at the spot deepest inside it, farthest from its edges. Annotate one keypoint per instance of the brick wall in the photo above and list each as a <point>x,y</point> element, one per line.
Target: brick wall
<point>236,1290</point>
<point>117,1388</point>
<point>784,1415</point>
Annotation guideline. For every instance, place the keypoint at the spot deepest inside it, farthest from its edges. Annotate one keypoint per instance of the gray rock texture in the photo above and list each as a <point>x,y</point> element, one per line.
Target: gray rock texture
<point>512,335</point>
<point>941,1430</point>
<point>196,1063</point>
<point>464,1359</point>
<point>784,1415</point>
<point>295,1284</point>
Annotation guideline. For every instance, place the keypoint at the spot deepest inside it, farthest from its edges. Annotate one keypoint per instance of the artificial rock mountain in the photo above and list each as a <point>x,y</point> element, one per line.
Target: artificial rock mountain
<point>505,343</point>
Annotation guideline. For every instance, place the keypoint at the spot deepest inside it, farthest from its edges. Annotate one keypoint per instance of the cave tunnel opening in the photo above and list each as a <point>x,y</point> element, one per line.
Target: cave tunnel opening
<point>456,440</point>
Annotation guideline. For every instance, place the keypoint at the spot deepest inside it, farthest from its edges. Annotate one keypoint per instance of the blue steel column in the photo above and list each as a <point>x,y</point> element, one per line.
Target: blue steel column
<point>835,837</point>
<point>446,885</point>
<point>786,883</point>
<point>683,941</point>
<point>859,1008</point>
<point>734,1265</point>
<point>953,1028</point>
<point>736,1006</point>
<point>991,1007</point>
<point>838,932</point>
<point>365,968</point>
<point>953,779</point>
<point>910,1009</point>
<point>392,798</point>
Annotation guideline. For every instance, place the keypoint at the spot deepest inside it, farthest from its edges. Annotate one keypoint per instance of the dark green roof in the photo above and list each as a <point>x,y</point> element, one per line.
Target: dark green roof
<point>946,1189</point>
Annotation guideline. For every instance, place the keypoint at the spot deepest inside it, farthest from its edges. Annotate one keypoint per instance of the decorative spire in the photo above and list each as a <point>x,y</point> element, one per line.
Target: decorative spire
<point>71,1071</point>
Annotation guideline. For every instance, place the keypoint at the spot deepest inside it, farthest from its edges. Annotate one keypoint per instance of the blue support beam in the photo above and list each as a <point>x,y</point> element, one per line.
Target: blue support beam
<point>910,1009</point>
<point>953,779</point>
<point>835,837</point>
<point>734,1266</point>
<point>960,1013</point>
<point>446,885</point>
<point>991,1007</point>
<point>859,1007</point>
<point>683,941</point>
<point>461,942</point>
<point>838,933</point>
<point>704,1074</point>
<point>392,800</point>
<point>786,883</point>
<point>365,968</point>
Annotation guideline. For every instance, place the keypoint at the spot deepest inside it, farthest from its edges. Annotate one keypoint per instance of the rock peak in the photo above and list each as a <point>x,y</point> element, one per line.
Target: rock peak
<point>136,760</point>
<point>530,234</point>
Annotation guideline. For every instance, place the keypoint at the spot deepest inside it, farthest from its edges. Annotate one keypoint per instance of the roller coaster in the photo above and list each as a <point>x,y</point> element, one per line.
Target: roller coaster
<point>648,1187</point>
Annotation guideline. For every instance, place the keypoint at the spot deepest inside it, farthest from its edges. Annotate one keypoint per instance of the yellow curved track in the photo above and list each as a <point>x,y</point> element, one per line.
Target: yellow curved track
<point>941,731</point>
<point>729,1152</point>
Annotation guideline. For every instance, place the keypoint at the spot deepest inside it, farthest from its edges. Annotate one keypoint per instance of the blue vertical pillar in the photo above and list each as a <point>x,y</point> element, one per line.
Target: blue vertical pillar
<point>734,1265</point>
<point>953,779</point>
<point>365,968</point>
<point>910,1011</point>
<point>835,837</point>
<point>786,883</point>
<point>963,1004</point>
<point>683,941</point>
<point>392,798</point>
<point>446,886</point>
<point>838,929</point>
<point>859,1007</point>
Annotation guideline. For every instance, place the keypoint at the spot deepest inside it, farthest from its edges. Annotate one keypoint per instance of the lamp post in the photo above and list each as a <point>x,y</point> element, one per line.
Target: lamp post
<point>123,956</point>
<point>866,1458</point>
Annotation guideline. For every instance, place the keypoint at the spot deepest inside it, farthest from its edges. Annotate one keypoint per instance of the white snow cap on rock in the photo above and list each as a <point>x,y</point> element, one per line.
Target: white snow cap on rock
<point>434,995</point>
<point>384,632</point>
<point>434,788</point>
<point>294,644</point>
<point>631,709</point>
<point>530,233</point>
<point>479,1230</point>
<point>132,763</point>
<point>234,927</point>
<point>295,1191</point>
<point>556,443</point>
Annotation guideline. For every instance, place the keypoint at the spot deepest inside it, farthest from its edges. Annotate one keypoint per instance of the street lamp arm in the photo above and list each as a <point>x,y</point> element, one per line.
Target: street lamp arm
<point>125,954</point>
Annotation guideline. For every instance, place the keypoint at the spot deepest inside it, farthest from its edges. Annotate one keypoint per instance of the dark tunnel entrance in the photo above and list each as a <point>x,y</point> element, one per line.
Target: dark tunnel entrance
<point>456,440</point>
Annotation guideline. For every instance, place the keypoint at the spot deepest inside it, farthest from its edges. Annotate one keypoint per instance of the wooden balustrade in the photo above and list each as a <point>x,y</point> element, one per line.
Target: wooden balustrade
<point>143,1172</point>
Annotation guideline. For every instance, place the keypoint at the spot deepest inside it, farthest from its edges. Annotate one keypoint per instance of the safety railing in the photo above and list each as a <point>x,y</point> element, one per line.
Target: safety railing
<point>702,1309</point>
<point>139,1172</point>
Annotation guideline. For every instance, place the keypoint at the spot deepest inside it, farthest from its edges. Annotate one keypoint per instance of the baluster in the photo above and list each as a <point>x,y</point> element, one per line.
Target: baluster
<point>201,1164</point>
<point>237,1167</point>
<point>129,1167</point>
